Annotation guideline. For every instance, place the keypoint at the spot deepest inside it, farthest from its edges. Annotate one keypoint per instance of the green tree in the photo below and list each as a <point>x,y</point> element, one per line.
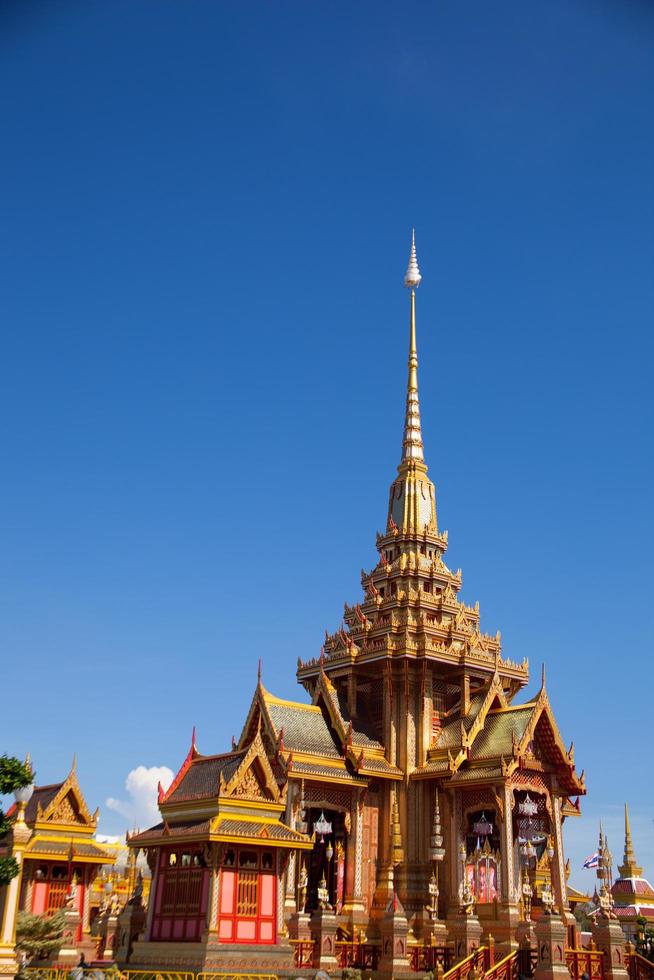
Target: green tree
<point>14,774</point>
<point>581,914</point>
<point>37,936</point>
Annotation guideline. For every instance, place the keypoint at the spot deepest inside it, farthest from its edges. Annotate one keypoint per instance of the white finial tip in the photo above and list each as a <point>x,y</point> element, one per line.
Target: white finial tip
<point>412,276</point>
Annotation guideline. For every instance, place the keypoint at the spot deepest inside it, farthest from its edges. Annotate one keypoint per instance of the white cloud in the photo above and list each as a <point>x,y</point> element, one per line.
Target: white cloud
<point>140,808</point>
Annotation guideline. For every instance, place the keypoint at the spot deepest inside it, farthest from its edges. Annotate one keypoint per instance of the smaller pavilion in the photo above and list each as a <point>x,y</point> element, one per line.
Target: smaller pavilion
<point>60,856</point>
<point>633,896</point>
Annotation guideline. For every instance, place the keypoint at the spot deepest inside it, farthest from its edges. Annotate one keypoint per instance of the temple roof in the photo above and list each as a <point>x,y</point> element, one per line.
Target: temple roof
<point>202,777</point>
<point>303,725</point>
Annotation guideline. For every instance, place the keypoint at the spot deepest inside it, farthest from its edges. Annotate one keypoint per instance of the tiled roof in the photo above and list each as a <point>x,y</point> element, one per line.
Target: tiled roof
<point>64,847</point>
<point>261,830</point>
<point>43,795</point>
<point>435,767</point>
<point>382,767</point>
<point>495,738</point>
<point>202,778</point>
<point>362,732</point>
<point>315,769</point>
<point>481,774</point>
<point>633,886</point>
<point>305,728</point>
<point>188,828</point>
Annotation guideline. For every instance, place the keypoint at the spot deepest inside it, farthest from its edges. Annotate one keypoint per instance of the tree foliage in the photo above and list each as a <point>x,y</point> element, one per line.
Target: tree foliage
<point>644,938</point>
<point>14,774</point>
<point>37,936</point>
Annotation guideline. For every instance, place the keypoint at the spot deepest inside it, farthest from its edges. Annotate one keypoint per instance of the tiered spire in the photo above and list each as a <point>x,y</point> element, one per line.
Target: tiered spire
<point>412,505</point>
<point>412,443</point>
<point>629,868</point>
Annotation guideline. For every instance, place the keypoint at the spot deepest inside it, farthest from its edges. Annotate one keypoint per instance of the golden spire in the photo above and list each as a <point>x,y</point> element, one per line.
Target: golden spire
<point>412,442</point>
<point>412,504</point>
<point>629,868</point>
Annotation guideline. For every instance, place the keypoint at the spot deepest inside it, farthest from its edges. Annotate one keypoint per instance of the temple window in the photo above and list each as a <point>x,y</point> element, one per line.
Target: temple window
<point>423,549</point>
<point>426,586</point>
<point>248,887</point>
<point>382,592</point>
<point>393,588</point>
<point>181,901</point>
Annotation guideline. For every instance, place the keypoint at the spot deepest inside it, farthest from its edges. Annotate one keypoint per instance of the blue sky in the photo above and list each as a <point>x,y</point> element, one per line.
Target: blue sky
<point>204,225</point>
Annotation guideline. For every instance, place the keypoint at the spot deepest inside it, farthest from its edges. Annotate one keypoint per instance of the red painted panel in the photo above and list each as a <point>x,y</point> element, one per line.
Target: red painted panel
<point>227,883</point>
<point>266,903</point>
<point>39,895</point>
<point>267,933</point>
<point>225,928</point>
<point>246,930</point>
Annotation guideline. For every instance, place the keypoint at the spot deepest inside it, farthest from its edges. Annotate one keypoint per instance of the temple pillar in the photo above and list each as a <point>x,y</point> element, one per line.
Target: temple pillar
<point>89,877</point>
<point>610,939</point>
<point>508,913</point>
<point>20,835</point>
<point>550,942</point>
<point>214,892</point>
<point>353,906</point>
<point>558,867</point>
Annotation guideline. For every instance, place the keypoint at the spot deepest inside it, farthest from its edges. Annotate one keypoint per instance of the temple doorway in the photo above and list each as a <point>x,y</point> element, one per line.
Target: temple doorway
<point>327,859</point>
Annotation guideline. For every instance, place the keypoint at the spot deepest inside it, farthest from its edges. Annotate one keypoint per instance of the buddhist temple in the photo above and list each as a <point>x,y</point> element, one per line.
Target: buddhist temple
<point>61,858</point>
<point>408,800</point>
<point>633,896</point>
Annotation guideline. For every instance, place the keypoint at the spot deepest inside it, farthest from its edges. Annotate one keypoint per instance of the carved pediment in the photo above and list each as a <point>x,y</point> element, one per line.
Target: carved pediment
<point>251,786</point>
<point>66,811</point>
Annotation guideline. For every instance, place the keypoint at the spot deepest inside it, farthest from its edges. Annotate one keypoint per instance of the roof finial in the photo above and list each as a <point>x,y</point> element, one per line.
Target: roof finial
<point>542,677</point>
<point>259,672</point>
<point>412,442</point>
<point>629,868</point>
<point>73,768</point>
<point>412,276</point>
<point>193,742</point>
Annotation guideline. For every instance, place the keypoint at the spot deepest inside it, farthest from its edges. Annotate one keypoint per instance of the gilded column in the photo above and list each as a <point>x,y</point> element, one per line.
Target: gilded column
<point>20,836</point>
<point>560,892</point>
<point>214,889</point>
<point>508,883</point>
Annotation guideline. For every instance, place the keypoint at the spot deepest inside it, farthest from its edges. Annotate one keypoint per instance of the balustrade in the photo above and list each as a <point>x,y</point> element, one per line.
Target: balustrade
<point>585,961</point>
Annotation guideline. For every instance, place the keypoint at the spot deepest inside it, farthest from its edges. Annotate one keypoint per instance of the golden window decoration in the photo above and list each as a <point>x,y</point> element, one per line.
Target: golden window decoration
<point>247,893</point>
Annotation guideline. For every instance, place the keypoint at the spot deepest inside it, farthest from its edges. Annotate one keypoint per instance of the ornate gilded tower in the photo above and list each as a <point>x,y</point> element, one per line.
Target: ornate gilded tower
<point>412,668</point>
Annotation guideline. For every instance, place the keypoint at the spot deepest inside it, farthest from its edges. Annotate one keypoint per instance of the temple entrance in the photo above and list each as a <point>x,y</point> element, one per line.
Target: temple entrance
<point>326,862</point>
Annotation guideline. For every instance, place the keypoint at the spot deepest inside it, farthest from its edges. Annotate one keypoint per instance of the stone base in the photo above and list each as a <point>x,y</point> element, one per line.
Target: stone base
<point>465,933</point>
<point>550,940</point>
<point>299,925</point>
<point>323,932</point>
<point>209,955</point>
<point>609,937</point>
<point>394,930</point>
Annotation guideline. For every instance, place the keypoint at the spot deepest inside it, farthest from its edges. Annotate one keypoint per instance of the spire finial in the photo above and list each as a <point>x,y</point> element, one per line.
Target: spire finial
<point>73,768</point>
<point>259,672</point>
<point>412,442</point>
<point>629,868</point>
<point>412,276</point>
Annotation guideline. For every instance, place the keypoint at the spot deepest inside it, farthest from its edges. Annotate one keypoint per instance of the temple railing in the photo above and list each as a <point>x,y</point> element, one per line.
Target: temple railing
<point>361,956</point>
<point>639,967</point>
<point>424,958</point>
<point>478,962</point>
<point>585,961</point>
<point>303,953</point>
<point>506,969</point>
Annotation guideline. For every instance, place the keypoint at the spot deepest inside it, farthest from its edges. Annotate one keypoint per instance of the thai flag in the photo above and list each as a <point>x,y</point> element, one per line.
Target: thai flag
<point>591,862</point>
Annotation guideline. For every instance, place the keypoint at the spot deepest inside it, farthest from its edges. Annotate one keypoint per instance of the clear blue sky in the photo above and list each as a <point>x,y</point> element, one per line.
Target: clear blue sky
<point>205,218</point>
